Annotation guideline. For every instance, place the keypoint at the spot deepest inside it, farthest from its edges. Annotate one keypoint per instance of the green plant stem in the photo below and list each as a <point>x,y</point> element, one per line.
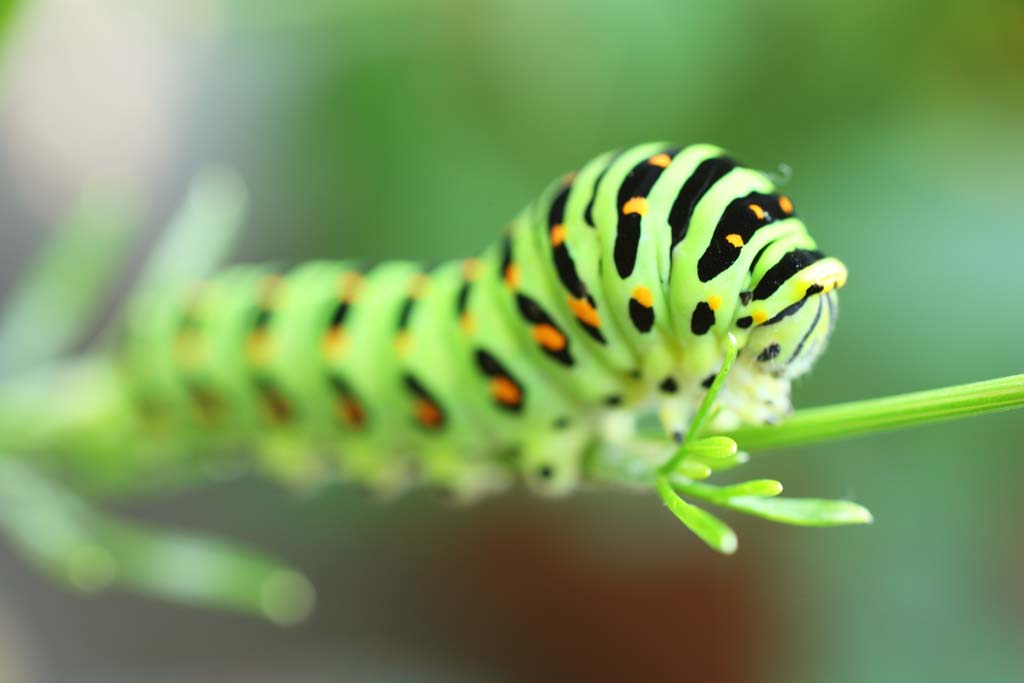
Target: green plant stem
<point>843,420</point>
<point>704,410</point>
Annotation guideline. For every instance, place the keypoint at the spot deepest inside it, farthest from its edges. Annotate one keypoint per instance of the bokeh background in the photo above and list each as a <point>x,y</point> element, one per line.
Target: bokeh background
<point>414,128</point>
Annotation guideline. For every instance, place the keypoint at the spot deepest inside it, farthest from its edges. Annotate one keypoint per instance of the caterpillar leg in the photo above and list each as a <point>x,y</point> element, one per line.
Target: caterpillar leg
<point>385,475</point>
<point>294,463</point>
<point>550,462</point>
<point>465,480</point>
<point>674,414</point>
<point>738,393</point>
<point>751,397</point>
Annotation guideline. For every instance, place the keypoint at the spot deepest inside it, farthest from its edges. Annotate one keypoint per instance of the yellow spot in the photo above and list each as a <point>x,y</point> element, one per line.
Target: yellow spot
<point>258,347</point>
<point>189,349</point>
<point>714,302</point>
<point>549,337</point>
<point>471,269</point>
<point>418,285</point>
<point>643,296</point>
<point>403,342</point>
<point>467,323</point>
<point>270,289</point>
<point>734,239</point>
<point>757,211</point>
<point>759,317</point>
<point>828,273</point>
<point>272,281</point>
<point>662,160</point>
<point>350,286</point>
<point>344,284</point>
<point>585,312</point>
<point>637,205</point>
<point>786,205</point>
<point>512,275</point>
<point>557,234</point>
<point>335,342</point>
<point>505,391</point>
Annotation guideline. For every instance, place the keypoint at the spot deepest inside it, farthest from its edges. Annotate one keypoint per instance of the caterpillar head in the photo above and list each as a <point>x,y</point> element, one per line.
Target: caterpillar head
<point>787,344</point>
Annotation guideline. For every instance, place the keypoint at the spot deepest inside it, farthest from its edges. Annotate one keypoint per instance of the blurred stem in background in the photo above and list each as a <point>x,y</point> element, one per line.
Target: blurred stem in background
<point>60,532</point>
<point>7,11</point>
<point>87,550</point>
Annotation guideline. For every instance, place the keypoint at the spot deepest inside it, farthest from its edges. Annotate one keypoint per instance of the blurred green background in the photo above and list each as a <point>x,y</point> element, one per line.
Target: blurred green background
<point>415,129</point>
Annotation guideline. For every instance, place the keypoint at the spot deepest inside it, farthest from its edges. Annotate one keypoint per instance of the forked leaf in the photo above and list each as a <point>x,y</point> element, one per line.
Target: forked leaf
<point>802,511</point>
<point>757,488</point>
<point>706,407</point>
<point>692,469</point>
<point>723,464</point>
<point>711,448</point>
<point>193,569</point>
<point>706,526</point>
<point>201,233</point>
<point>62,288</point>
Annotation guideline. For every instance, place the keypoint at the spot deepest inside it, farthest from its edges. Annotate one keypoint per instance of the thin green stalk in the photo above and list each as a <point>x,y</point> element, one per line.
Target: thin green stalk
<point>704,410</point>
<point>843,420</point>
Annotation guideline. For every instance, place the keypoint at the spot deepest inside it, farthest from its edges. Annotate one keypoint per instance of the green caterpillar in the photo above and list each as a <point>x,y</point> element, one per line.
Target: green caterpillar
<point>616,293</point>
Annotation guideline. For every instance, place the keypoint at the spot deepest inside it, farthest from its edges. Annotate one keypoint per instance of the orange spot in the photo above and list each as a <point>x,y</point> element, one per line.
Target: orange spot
<point>350,285</point>
<point>350,412</point>
<point>757,211</point>
<point>637,205</point>
<point>505,391</point>
<point>258,347</point>
<point>209,406</point>
<point>276,406</point>
<point>786,205</point>
<point>759,317</point>
<point>428,413</point>
<point>643,296</point>
<point>714,302</point>
<point>557,234</point>
<point>356,288</point>
<point>271,281</point>
<point>512,275</point>
<point>471,269</point>
<point>569,177</point>
<point>467,323</point>
<point>549,337</point>
<point>418,285</point>
<point>403,342</point>
<point>734,239</point>
<point>585,312</point>
<point>334,343</point>
<point>661,160</point>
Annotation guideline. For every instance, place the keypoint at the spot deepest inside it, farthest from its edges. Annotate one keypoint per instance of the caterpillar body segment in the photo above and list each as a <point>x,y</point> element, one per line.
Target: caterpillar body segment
<point>611,295</point>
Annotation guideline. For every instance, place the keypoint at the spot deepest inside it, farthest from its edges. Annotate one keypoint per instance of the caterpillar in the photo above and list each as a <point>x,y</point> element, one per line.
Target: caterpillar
<point>614,295</point>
